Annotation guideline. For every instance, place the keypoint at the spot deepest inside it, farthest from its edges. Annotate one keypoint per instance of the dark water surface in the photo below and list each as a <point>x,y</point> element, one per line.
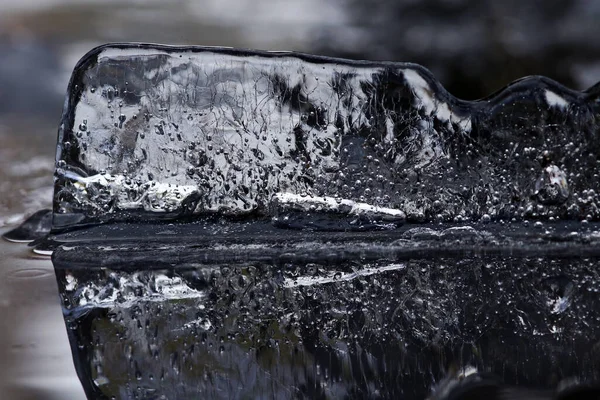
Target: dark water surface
<point>36,360</point>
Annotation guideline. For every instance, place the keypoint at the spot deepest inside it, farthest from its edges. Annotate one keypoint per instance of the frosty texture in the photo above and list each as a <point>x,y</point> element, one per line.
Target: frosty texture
<point>152,131</point>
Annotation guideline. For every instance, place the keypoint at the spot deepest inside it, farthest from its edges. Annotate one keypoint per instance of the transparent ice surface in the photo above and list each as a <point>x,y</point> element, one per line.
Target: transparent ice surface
<point>153,131</point>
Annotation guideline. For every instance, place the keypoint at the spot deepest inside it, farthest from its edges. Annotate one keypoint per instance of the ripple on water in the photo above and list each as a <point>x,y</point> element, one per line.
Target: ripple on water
<point>29,273</point>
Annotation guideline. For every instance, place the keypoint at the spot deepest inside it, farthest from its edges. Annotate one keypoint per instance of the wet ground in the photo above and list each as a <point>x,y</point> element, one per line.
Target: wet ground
<point>36,358</point>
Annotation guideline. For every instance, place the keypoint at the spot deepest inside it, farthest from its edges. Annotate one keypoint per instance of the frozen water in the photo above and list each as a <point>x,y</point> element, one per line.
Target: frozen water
<point>240,224</point>
<point>292,324</point>
<point>156,131</point>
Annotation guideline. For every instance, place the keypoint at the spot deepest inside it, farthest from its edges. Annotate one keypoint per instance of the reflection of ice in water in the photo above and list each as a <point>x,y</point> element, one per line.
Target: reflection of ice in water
<point>559,304</point>
<point>257,325</point>
<point>559,299</point>
<point>338,276</point>
<point>128,289</point>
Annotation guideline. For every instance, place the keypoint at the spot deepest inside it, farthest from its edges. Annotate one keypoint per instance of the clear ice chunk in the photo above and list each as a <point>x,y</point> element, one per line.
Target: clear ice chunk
<point>153,131</point>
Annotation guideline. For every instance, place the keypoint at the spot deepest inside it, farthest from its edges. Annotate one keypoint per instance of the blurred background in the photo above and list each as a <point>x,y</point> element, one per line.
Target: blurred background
<point>474,47</point>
